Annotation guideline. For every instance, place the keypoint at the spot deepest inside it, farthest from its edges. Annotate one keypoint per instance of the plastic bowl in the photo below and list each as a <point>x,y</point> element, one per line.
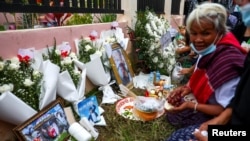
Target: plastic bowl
<point>145,116</point>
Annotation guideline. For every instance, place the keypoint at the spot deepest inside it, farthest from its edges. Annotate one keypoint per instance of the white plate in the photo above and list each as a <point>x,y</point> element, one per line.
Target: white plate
<point>168,106</point>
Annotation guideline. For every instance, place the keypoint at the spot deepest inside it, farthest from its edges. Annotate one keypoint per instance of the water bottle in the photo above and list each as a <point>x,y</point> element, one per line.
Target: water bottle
<point>158,76</point>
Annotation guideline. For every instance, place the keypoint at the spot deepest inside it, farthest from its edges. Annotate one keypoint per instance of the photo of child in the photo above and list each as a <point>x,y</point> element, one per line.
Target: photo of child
<point>121,66</point>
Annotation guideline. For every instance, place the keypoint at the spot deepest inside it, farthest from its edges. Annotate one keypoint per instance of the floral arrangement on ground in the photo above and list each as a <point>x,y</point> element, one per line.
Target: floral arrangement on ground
<point>18,77</point>
<point>149,31</point>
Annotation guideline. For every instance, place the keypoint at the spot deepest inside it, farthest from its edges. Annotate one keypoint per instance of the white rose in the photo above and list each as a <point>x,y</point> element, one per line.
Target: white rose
<point>1,65</point>
<point>87,47</point>
<point>77,72</point>
<point>28,82</point>
<point>151,53</point>
<point>2,88</point>
<point>73,55</point>
<point>172,61</point>
<point>155,60</point>
<point>58,52</point>
<point>165,54</point>
<point>67,60</point>
<point>111,40</point>
<point>6,87</point>
<point>14,66</point>
<point>161,65</point>
<point>99,53</point>
<point>87,39</point>
<point>36,73</point>
<point>15,60</point>
<point>11,87</point>
<point>153,25</point>
<point>156,35</point>
<point>152,47</point>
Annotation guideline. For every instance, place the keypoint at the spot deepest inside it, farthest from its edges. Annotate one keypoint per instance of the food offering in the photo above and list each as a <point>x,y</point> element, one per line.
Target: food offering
<point>147,108</point>
<point>158,86</point>
<point>126,108</point>
<point>177,100</point>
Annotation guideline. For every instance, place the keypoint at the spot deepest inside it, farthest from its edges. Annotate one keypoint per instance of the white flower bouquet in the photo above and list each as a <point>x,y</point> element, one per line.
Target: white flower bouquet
<point>71,80</point>
<point>25,86</point>
<point>114,35</point>
<point>150,30</point>
<point>98,66</point>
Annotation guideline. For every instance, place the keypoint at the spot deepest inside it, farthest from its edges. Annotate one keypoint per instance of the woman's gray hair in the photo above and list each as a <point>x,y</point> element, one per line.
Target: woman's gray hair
<point>216,13</point>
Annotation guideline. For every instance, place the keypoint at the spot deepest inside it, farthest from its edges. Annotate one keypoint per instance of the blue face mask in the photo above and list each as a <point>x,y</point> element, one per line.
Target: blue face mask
<point>205,51</point>
<point>245,11</point>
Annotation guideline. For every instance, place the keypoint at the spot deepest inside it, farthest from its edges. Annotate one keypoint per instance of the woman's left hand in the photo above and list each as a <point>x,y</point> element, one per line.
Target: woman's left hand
<point>180,108</point>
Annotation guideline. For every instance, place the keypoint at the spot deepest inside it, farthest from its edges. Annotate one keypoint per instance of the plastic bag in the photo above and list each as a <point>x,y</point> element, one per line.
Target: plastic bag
<point>148,104</point>
<point>176,76</point>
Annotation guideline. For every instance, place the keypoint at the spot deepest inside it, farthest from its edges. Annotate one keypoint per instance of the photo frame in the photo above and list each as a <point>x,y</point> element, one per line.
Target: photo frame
<point>48,124</point>
<point>121,66</point>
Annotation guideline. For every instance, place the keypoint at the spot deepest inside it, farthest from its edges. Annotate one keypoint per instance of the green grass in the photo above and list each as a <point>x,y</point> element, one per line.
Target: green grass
<point>120,129</point>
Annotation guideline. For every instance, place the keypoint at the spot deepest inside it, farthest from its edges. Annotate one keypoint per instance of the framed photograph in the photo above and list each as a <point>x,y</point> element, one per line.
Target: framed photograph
<point>121,66</point>
<point>50,124</point>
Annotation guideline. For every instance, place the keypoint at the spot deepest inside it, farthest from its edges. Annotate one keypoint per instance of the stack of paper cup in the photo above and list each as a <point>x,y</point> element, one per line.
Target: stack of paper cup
<point>79,133</point>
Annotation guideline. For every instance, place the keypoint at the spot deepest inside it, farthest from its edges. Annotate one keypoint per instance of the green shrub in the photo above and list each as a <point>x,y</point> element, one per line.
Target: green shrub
<point>105,18</point>
<point>78,19</point>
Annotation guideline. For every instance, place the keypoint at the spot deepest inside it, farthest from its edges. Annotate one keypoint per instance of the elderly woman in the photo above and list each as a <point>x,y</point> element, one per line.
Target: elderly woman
<point>217,70</point>
<point>237,113</point>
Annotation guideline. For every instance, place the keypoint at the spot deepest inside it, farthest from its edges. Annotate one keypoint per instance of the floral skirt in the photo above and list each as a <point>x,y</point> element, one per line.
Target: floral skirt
<point>186,118</point>
<point>183,134</point>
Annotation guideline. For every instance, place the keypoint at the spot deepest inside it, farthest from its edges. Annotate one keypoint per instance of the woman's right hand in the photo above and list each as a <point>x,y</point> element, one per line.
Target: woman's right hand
<point>185,71</point>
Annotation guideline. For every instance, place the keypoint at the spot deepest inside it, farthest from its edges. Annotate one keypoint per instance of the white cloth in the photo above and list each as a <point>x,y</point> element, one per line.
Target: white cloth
<point>225,93</point>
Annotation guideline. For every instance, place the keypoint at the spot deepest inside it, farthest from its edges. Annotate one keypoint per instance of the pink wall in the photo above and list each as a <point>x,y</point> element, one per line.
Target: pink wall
<point>12,40</point>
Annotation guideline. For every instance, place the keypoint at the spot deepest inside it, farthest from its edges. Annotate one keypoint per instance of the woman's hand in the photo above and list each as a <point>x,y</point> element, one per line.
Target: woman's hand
<point>182,91</point>
<point>199,137</point>
<point>181,50</point>
<point>222,119</point>
<point>184,105</point>
<point>176,98</point>
<point>185,71</point>
<point>204,127</point>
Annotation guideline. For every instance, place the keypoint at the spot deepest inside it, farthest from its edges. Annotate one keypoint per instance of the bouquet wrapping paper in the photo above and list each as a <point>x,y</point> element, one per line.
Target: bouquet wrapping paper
<point>98,76</point>
<point>50,79</point>
<point>14,110</point>
<point>68,91</point>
